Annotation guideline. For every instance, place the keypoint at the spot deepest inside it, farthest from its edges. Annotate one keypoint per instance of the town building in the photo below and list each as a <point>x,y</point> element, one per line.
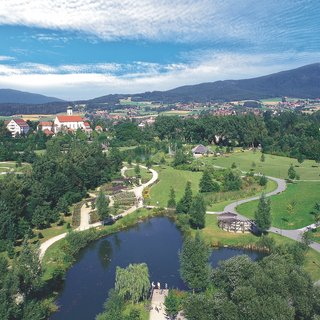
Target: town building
<point>18,127</point>
<point>68,122</point>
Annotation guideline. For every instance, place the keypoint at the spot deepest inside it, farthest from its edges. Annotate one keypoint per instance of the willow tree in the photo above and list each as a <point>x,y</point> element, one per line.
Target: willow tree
<point>132,283</point>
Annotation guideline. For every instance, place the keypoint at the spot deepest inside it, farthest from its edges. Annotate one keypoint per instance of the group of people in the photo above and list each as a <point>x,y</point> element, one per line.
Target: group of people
<point>158,286</point>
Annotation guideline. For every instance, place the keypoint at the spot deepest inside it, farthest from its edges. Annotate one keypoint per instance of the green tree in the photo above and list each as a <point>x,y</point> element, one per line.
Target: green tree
<point>102,205</point>
<point>172,199</point>
<point>137,170</point>
<point>207,184</point>
<point>194,263</point>
<point>113,307</point>
<point>198,212</point>
<point>263,214</point>
<point>132,283</point>
<point>172,304</point>
<point>291,172</point>
<point>263,158</point>
<point>263,180</point>
<point>184,204</point>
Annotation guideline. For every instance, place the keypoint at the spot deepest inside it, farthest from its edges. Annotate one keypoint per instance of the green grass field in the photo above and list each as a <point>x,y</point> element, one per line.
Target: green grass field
<point>301,197</point>
<point>146,175</point>
<point>274,166</point>
<point>225,198</point>
<point>168,177</point>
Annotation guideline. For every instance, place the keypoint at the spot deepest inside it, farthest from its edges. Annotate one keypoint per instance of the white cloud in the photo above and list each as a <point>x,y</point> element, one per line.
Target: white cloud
<point>117,19</point>
<point>6,58</point>
<point>88,81</point>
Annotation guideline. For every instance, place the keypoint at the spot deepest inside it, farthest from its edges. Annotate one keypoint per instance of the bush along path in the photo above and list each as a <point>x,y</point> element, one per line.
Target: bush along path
<point>85,211</point>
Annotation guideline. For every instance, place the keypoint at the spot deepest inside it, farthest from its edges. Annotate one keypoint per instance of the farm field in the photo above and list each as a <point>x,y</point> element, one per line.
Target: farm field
<point>274,166</point>
<point>290,209</point>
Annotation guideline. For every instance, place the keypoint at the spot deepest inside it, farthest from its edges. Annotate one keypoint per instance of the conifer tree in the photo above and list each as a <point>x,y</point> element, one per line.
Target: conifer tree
<point>263,214</point>
<point>184,204</point>
<point>172,199</point>
<point>198,212</point>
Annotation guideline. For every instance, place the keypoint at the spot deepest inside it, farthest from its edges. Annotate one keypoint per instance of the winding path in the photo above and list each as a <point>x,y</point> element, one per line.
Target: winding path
<point>84,221</point>
<point>295,234</point>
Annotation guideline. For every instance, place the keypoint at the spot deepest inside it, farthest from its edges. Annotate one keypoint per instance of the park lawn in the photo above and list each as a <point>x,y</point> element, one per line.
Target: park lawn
<point>303,194</point>
<point>315,234</point>
<point>170,177</point>
<point>225,198</point>
<point>53,230</point>
<point>274,166</point>
<point>215,236</point>
<point>145,174</point>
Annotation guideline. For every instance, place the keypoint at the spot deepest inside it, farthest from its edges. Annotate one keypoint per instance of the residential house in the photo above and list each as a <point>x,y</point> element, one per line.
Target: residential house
<point>18,127</point>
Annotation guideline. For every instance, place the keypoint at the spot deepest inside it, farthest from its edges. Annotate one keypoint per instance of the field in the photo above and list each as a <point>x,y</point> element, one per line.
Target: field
<point>145,174</point>
<point>224,198</point>
<point>168,177</point>
<point>274,166</point>
<point>292,208</point>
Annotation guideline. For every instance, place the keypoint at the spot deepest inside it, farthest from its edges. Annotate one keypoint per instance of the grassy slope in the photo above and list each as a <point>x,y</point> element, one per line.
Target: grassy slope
<point>146,175</point>
<point>168,177</point>
<point>305,194</point>
<point>274,166</point>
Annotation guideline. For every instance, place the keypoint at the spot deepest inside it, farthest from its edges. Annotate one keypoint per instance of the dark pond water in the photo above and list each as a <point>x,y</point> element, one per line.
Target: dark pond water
<point>155,242</point>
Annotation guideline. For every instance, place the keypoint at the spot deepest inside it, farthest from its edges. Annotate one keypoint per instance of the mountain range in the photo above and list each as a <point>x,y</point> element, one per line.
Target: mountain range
<point>16,96</point>
<point>303,82</point>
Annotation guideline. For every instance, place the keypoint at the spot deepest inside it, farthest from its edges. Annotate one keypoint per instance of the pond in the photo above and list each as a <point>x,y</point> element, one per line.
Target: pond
<point>155,242</point>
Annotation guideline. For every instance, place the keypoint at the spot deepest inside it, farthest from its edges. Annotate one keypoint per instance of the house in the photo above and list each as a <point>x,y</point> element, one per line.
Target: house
<point>87,127</point>
<point>18,127</point>
<point>200,150</point>
<point>98,129</point>
<point>46,127</point>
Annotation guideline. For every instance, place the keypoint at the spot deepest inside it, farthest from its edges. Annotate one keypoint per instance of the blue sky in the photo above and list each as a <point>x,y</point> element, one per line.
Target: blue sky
<point>87,48</point>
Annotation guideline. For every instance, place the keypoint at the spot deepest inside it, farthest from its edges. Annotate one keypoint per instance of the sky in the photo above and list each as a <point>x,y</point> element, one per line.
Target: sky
<point>81,49</point>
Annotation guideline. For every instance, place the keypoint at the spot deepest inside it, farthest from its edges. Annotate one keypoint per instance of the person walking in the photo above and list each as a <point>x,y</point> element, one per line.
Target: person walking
<point>158,285</point>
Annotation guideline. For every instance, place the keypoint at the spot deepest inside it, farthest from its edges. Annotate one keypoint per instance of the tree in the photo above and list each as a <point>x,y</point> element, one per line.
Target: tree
<point>184,204</point>
<point>291,172</point>
<point>194,263</point>
<point>263,214</point>
<point>234,165</point>
<point>263,180</point>
<point>172,199</point>
<point>137,170</point>
<point>132,283</point>
<point>207,184</point>
<point>232,181</point>
<point>113,307</point>
<point>198,212</point>
<point>180,158</point>
<point>262,158</point>
<point>102,205</point>
<point>172,304</point>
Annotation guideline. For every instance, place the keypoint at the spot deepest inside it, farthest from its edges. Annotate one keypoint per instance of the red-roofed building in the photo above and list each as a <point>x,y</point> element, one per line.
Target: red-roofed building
<point>45,125</point>
<point>63,123</point>
<point>18,127</point>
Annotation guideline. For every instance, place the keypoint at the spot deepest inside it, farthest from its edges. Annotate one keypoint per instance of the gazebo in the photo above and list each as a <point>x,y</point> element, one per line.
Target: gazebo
<point>231,222</point>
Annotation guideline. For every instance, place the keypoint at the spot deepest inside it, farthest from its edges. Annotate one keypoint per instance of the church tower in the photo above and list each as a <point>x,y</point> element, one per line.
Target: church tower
<point>69,111</point>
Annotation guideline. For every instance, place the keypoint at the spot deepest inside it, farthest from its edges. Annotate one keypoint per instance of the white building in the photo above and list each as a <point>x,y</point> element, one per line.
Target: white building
<point>18,127</point>
<point>69,122</point>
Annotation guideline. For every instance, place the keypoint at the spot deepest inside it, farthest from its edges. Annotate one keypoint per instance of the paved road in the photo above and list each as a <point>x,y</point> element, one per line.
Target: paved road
<point>292,234</point>
<point>84,214</point>
<point>281,186</point>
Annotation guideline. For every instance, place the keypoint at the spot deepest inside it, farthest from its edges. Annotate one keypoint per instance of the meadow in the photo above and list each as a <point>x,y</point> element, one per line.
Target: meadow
<point>273,165</point>
<point>291,209</point>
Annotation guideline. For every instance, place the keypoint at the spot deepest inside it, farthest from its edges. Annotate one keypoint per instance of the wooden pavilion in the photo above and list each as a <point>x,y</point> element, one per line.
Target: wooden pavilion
<point>231,222</point>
